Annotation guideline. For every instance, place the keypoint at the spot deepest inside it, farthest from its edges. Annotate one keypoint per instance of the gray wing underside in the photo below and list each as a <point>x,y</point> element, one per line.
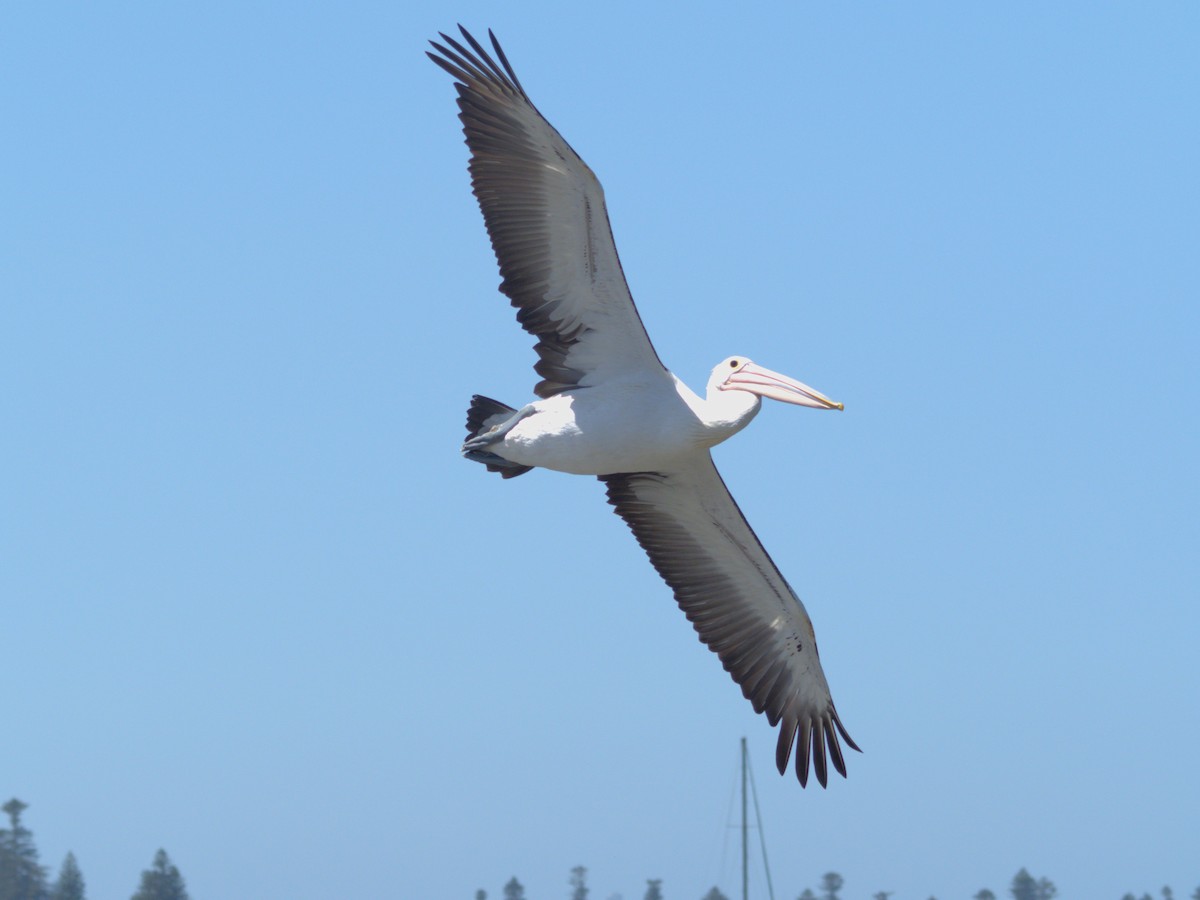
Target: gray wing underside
<point>738,602</point>
<point>546,216</point>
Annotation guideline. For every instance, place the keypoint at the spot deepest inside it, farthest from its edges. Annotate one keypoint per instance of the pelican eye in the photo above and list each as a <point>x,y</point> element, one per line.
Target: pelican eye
<point>733,364</point>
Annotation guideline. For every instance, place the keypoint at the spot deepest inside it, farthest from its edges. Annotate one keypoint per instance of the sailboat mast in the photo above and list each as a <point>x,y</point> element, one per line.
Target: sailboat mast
<point>745,832</point>
<point>748,790</point>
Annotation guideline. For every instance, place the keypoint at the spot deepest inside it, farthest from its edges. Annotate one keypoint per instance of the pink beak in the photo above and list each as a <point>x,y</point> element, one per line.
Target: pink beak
<point>765,383</point>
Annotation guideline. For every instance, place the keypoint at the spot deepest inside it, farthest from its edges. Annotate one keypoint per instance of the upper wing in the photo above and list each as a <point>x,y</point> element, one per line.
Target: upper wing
<point>740,604</point>
<point>545,214</point>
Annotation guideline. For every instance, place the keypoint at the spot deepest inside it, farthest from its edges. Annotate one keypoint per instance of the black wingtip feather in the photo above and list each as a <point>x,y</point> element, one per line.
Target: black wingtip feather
<point>466,68</point>
<point>504,60</point>
<point>783,747</point>
<point>483,54</point>
<point>818,752</point>
<point>456,73</point>
<point>803,754</point>
<point>835,749</point>
<point>845,734</point>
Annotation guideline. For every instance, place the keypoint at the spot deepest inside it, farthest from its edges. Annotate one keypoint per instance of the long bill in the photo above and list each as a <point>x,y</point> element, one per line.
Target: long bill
<point>762,381</point>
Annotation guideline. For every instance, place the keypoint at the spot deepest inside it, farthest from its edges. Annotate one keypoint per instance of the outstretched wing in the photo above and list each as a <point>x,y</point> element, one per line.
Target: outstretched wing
<point>545,213</point>
<point>695,535</point>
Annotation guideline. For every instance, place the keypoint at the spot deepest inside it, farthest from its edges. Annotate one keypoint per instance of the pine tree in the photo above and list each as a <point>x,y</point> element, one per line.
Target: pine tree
<point>882,895</point>
<point>653,889</point>
<point>984,894</point>
<point>808,895</point>
<point>21,878</point>
<point>715,894</point>
<point>578,882</point>
<point>514,890</point>
<point>481,894</point>
<point>161,881</point>
<point>69,884</point>
<point>1024,887</point>
<point>831,883</point>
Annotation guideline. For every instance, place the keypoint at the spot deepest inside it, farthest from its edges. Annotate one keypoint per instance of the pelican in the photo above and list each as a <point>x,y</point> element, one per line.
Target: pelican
<point>608,407</point>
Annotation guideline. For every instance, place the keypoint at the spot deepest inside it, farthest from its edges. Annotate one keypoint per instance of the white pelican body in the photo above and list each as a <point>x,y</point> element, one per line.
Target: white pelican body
<point>633,424</point>
<point>608,407</point>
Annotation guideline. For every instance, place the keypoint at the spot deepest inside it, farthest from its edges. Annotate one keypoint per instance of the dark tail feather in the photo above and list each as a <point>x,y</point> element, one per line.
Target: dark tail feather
<point>482,414</point>
<point>485,412</point>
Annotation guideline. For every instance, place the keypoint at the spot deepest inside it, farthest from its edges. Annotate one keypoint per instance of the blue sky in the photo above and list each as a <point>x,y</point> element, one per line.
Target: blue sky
<point>258,611</point>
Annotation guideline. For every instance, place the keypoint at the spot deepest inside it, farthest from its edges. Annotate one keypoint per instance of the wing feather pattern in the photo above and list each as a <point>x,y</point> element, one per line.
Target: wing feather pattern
<point>548,223</point>
<point>739,603</point>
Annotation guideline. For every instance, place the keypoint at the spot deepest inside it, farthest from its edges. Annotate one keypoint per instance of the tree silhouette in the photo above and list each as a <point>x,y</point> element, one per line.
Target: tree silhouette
<point>715,894</point>
<point>161,881</point>
<point>653,889</point>
<point>514,890</point>
<point>831,883</point>
<point>21,878</point>
<point>69,884</point>
<point>1025,887</point>
<point>578,880</point>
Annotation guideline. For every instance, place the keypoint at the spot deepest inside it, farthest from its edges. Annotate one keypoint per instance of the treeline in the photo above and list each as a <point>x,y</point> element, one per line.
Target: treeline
<point>22,877</point>
<point>1023,887</point>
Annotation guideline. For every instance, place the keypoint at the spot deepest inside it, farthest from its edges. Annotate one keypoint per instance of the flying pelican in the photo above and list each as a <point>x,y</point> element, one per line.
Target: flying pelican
<point>608,407</point>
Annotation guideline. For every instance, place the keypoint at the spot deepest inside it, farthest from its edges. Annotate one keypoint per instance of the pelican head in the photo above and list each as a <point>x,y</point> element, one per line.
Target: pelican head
<point>739,374</point>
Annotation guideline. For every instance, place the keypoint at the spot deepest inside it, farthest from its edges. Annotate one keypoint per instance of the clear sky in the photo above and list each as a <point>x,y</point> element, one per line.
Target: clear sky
<point>257,611</point>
